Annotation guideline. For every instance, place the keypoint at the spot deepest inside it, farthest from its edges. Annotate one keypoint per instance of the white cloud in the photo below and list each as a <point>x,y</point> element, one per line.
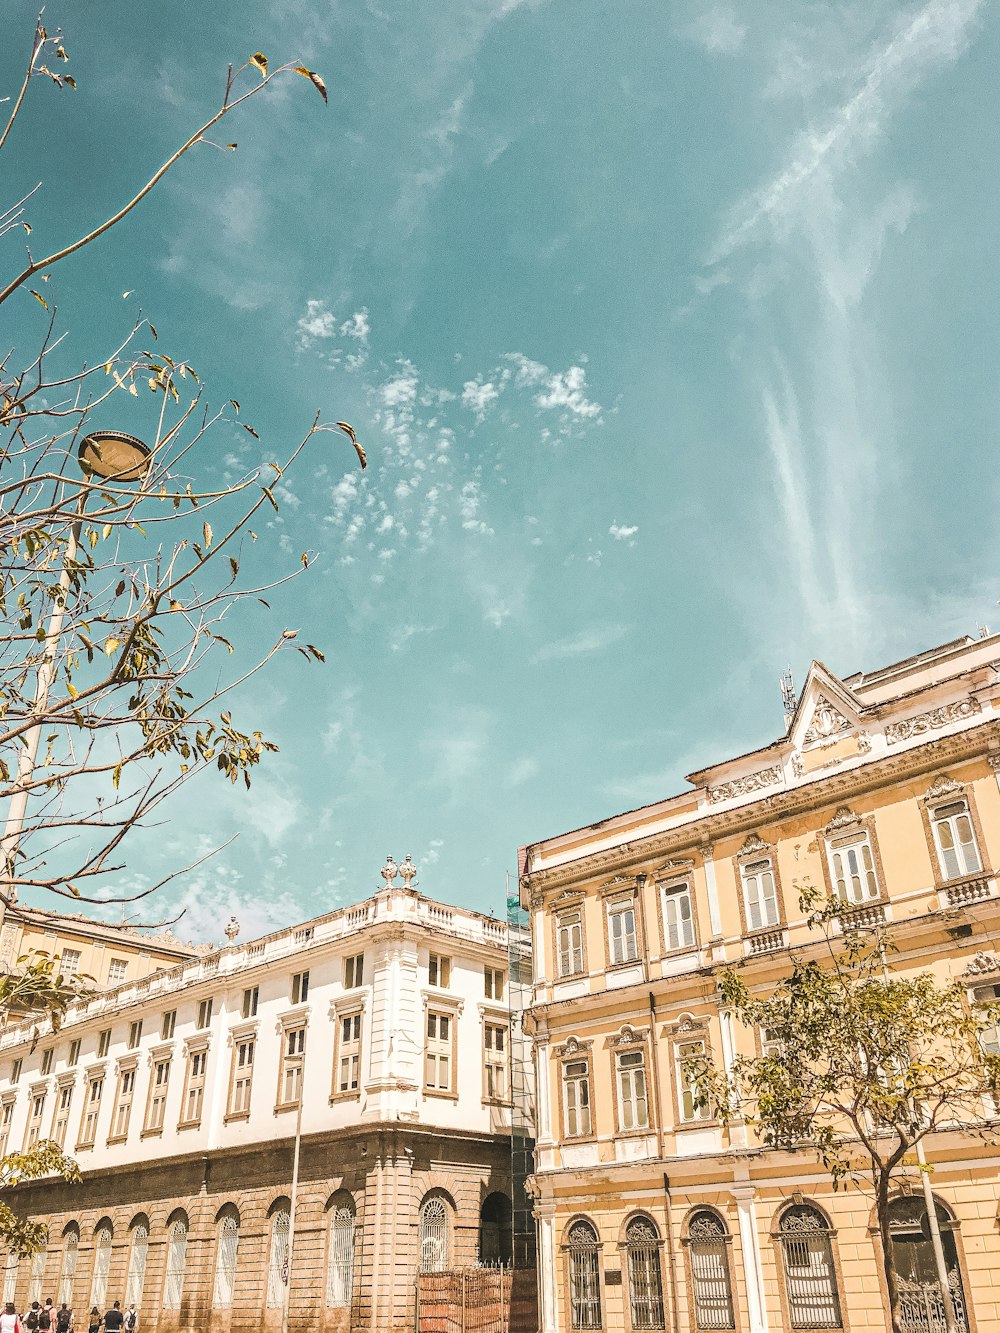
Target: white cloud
<point>587,641</point>
<point>401,390</point>
<point>565,392</point>
<point>357,327</point>
<point>622,533</point>
<point>718,30</point>
<point>479,395</point>
<point>318,322</point>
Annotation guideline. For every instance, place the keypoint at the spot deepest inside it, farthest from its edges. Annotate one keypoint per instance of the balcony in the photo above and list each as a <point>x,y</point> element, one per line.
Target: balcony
<point>962,892</point>
<point>862,917</point>
<point>765,941</point>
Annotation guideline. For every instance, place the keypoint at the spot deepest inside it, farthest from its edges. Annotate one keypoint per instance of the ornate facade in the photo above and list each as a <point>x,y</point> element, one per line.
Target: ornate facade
<point>884,792</point>
<point>378,1034</point>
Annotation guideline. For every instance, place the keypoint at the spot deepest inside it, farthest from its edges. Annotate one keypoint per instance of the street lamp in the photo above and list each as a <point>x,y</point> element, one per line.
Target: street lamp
<point>115,456</point>
<point>293,1062</point>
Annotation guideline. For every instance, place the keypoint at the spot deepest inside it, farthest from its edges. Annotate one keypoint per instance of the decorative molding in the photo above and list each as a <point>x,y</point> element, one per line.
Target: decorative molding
<point>754,846</point>
<point>942,786</point>
<point>983,964</point>
<point>727,791</point>
<point>671,868</point>
<point>931,720</point>
<point>687,1025</point>
<point>994,762</point>
<point>827,722</point>
<point>620,883</point>
<point>844,817</point>
<point>571,1047</point>
<point>628,1036</point>
<point>864,743</point>
<point>241,1031</point>
<point>798,768</point>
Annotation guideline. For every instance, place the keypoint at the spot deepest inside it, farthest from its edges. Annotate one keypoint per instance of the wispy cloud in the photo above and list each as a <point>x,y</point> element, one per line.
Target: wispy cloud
<point>588,641</point>
<point>718,30</point>
<point>623,532</point>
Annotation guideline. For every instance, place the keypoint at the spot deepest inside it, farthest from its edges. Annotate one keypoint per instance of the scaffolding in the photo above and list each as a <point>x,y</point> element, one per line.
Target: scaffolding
<point>522,1077</point>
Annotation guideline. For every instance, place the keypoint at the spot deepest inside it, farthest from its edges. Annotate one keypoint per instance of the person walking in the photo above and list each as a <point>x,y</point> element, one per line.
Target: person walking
<point>114,1319</point>
<point>46,1316</point>
<point>95,1321</point>
<point>10,1320</point>
<point>131,1318</point>
<point>30,1320</point>
<point>64,1319</point>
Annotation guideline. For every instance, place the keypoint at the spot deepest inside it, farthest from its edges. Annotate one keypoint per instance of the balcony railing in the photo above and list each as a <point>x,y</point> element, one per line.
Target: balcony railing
<point>972,889</point>
<point>766,941</point>
<point>861,917</point>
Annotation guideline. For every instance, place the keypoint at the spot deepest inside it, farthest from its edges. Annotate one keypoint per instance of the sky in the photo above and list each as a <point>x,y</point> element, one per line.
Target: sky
<point>669,331</point>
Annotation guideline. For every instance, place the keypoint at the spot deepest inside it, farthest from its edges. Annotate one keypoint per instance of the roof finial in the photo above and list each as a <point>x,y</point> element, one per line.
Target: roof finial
<point>788,696</point>
<point>389,871</point>
<point>408,870</point>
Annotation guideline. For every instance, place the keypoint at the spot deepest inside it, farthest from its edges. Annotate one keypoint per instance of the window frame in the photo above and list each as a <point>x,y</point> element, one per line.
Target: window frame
<point>688,1031</point>
<point>945,791</point>
<point>178,1227</point>
<point>159,1060</point>
<point>298,989</point>
<point>168,1024</point>
<point>439,966</point>
<point>250,1002</point>
<point>651,1249</point>
<point>573,1252</point>
<point>629,1049</point>
<point>493,1024</point>
<point>348,1049</point>
<point>616,906</point>
<point>239,1079</point>
<point>341,1205</point>
<point>37,1097</point>
<point>293,1033</point>
<point>721,1242</point>
<point>565,918</point>
<point>354,971</point>
<point>128,1072</point>
<point>195,1080</point>
<point>91,1104</point>
<point>494,984</point>
<point>103,1043</point>
<point>667,889</point>
<point>204,1018</point>
<point>60,1122</point>
<point>449,1015</point>
<point>844,825</point>
<point>575,1052</point>
<point>435,1201</point>
<point>785,1286</point>
<point>279,1232</point>
<point>226,1267</point>
<point>113,965</point>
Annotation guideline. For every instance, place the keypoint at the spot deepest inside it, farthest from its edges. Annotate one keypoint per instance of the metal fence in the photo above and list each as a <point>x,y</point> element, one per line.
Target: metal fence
<point>469,1300</point>
<point>921,1306</point>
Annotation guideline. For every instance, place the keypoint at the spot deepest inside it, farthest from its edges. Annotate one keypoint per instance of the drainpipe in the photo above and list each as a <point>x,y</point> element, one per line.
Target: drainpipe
<point>670,1253</point>
<point>655,1070</point>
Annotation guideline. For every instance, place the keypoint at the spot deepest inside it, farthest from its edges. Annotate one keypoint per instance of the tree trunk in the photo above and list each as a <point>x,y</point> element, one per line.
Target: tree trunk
<point>882,1214</point>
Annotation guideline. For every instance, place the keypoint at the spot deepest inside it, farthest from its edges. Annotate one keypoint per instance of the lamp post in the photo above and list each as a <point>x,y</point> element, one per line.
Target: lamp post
<point>299,1061</point>
<point>114,456</point>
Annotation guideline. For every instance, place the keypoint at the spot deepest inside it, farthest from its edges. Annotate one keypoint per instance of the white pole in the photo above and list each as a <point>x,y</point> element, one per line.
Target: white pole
<point>294,1197</point>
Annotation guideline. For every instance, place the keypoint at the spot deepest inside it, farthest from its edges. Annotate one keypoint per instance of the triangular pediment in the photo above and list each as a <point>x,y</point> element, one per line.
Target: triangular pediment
<point>827,710</point>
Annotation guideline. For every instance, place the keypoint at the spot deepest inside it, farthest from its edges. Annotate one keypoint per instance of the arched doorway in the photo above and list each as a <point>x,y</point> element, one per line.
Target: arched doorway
<point>496,1239</point>
<point>920,1301</point>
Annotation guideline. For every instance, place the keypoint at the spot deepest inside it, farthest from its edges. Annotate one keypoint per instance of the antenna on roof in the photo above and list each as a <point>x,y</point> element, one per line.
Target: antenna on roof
<point>788,696</point>
<point>984,630</point>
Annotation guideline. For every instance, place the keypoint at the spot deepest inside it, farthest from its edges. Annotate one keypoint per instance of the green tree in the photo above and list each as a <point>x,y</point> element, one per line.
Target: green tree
<point>862,1065</point>
<point>121,567</point>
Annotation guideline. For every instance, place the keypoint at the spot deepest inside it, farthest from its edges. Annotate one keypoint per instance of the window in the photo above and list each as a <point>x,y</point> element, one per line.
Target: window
<point>292,1064</point>
<point>69,963</point>
<point>584,1277</point>
<point>678,917</point>
<point>493,983</point>
<point>102,1264</point>
<point>134,1034</point>
<point>250,997</point>
<point>242,1076</point>
<point>354,971</point>
<point>433,1236</point>
<point>852,868</point>
<point>645,1284</point>
<point>205,1014</point>
<point>47,1060</point>
<point>137,1264</point>
<point>60,1121</point>
<point>71,1252</point>
<point>15,1071</point>
<point>495,1058</point>
<point>103,1043</point>
<point>760,895</point>
<point>117,969</point>
<point>340,1261</point>
<point>349,1064</point>
<point>689,1104</point>
<point>576,1098</point>
<point>621,932</point>
<point>33,1131</point>
<point>6,1118</point>
<point>633,1102</point>
<point>437,1060</point>
<point>569,942</point>
<point>708,1251</point>
<point>91,1111</point>
<point>10,1278</point>
<point>771,1042</point>
<point>956,840</point>
<point>300,987</point>
<point>167,1024</point>
<point>225,1261</point>
<point>194,1088</point>
<point>37,1273</point>
<point>123,1104</point>
<point>439,971</point>
<point>157,1106</point>
<point>277,1272</point>
<point>74,1053</point>
<point>173,1283</point>
<point>810,1280</point>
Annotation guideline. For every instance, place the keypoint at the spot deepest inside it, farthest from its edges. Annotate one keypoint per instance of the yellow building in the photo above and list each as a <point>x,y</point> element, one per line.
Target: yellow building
<point>104,955</point>
<point>652,1216</point>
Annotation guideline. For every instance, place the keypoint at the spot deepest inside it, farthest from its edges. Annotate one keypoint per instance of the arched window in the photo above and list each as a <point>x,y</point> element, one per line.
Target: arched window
<point>708,1250</point>
<point>71,1251</point>
<point>645,1285</point>
<point>277,1268</point>
<point>137,1262</point>
<point>584,1276</point>
<point>37,1273</point>
<point>102,1264</point>
<point>810,1278</point>
<point>173,1281</point>
<point>433,1236</point>
<point>225,1259</point>
<point>340,1256</point>
<point>914,1264</point>
<point>496,1224</point>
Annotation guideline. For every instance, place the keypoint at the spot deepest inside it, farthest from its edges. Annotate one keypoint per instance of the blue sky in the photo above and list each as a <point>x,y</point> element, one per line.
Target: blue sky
<point>670,333</point>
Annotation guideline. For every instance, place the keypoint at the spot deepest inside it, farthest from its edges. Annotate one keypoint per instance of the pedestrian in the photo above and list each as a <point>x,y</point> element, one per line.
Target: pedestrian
<point>31,1317</point>
<point>64,1319</point>
<point>46,1316</point>
<point>131,1318</point>
<point>10,1321</point>
<point>95,1321</point>
<point>113,1319</point>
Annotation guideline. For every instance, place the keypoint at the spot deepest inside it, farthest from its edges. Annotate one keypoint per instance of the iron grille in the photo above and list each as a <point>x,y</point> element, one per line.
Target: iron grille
<point>644,1281</point>
<point>713,1292</point>
<point>812,1288</point>
<point>584,1277</point>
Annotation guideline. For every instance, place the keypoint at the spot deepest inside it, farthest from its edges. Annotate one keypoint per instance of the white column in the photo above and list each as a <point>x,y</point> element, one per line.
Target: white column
<point>714,915</point>
<point>737,1129</point>
<point>543,1101</point>
<point>750,1247</point>
<point>547,1261</point>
